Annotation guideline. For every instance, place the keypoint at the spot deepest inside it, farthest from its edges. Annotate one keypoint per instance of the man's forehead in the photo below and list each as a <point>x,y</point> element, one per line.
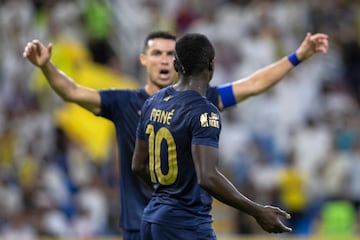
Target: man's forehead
<point>161,44</point>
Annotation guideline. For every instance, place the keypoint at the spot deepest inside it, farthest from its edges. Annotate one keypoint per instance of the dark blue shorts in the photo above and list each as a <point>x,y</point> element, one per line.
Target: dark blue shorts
<point>131,235</point>
<point>154,231</point>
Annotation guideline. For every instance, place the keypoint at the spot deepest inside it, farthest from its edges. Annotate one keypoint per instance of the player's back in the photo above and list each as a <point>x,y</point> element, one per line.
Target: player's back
<point>174,120</point>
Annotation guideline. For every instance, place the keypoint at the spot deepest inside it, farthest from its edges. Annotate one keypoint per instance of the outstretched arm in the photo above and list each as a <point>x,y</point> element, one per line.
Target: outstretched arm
<point>266,77</point>
<point>209,178</point>
<point>64,86</point>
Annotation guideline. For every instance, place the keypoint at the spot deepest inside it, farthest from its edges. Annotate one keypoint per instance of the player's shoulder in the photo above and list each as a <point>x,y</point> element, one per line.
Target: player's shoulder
<point>121,91</point>
<point>164,92</point>
<point>208,106</point>
<point>212,94</point>
<point>212,90</point>
<point>160,94</point>
<point>129,94</point>
<point>199,104</point>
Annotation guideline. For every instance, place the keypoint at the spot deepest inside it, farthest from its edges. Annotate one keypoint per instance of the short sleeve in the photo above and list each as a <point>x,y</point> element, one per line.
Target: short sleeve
<point>206,126</point>
<point>140,130</point>
<point>212,95</point>
<point>110,99</point>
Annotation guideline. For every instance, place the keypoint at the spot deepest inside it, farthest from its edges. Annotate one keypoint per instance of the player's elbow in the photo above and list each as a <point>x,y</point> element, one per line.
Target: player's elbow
<point>136,168</point>
<point>206,181</point>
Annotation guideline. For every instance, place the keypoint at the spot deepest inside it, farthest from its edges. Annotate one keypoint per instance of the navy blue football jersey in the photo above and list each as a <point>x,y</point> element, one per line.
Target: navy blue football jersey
<point>170,123</point>
<point>123,108</point>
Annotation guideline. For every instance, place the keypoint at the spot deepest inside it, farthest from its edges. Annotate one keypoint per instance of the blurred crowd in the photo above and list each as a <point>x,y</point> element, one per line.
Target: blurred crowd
<point>296,146</point>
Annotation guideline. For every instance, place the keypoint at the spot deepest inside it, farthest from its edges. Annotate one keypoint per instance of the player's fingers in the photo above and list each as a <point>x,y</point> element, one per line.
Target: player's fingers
<point>279,227</point>
<point>319,35</point>
<point>49,47</point>
<point>323,41</point>
<point>318,40</point>
<point>282,213</point>
<point>307,37</point>
<point>37,46</point>
<point>28,49</point>
<point>322,49</point>
<point>36,42</point>
<point>322,46</point>
<point>283,228</point>
<point>25,52</point>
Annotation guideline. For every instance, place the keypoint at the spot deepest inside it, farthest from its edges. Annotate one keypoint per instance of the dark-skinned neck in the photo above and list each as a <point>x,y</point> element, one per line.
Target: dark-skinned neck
<point>198,83</point>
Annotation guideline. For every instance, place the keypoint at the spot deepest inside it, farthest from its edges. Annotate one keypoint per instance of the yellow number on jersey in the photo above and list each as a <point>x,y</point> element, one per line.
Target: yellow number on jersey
<point>155,140</point>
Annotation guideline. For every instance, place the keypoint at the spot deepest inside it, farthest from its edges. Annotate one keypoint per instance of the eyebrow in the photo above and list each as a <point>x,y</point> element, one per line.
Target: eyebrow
<point>161,51</point>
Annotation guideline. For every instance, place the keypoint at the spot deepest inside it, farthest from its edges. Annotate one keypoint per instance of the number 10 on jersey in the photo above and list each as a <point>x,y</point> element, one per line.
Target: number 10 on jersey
<point>155,141</point>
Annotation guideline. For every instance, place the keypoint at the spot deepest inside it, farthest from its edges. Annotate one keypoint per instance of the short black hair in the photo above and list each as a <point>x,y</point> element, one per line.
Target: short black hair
<point>158,34</point>
<point>194,52</point>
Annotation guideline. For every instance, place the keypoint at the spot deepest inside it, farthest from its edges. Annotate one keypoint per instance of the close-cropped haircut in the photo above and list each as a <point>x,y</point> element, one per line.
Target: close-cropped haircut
<point>194,53</point>
<point>157,34</point>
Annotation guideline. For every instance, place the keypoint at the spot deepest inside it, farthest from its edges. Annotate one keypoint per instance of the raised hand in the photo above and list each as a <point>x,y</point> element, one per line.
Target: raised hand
<point>37,53</point>
<point>269,220</point>
<point>312,44</point>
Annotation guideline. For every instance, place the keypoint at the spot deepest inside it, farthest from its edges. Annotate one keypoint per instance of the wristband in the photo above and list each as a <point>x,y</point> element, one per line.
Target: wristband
<point>294,59</point>
<point>227,96</point>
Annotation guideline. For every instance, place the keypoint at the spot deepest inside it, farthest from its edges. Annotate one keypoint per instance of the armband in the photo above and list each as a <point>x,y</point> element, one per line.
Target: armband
<point>227,96</point>
<point>294,59</point>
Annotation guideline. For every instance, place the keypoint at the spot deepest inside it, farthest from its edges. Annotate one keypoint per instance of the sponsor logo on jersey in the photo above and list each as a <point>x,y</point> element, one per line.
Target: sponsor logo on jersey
<point>167,98</point>
<point>210,121</point>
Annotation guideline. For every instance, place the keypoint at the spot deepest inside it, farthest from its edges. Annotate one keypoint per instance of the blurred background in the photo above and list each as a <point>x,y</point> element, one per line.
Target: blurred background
<point>296,146</point>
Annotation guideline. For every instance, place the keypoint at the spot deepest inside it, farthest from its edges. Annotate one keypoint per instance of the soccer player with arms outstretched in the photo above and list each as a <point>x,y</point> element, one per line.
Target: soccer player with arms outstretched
<point>122,106</point>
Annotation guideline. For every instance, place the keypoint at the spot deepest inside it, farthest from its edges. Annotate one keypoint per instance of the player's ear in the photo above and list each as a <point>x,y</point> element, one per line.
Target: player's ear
<point>211,65</point>
<point>176,65</point>
<point>142,59</point>
<point>211,69</point>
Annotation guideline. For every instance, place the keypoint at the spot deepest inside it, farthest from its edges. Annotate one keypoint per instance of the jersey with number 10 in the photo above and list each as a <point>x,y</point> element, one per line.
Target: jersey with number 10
<point>123,108</point>
<point>171,121</point>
